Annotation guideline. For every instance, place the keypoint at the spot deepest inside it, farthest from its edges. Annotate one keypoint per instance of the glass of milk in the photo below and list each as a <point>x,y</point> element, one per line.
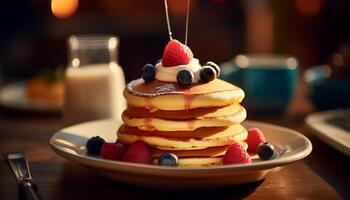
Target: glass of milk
<point>94,81</point>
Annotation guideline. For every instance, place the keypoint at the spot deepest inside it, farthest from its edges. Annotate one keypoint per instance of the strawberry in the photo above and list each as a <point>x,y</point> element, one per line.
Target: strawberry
<point>113,151</point>
<point>236,154</point>
<point>255,138</point>
<point>176,53</point>
<point>138,152</point>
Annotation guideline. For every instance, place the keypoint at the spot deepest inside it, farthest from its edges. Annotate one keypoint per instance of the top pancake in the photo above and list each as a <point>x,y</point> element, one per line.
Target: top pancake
<point>158,95</point>
<point>156,88</point>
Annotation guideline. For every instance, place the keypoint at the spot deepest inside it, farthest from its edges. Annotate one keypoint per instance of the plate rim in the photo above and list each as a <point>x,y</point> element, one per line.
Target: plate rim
<point>111,165</point>
<point>314,118</point>
<point>38,107</point>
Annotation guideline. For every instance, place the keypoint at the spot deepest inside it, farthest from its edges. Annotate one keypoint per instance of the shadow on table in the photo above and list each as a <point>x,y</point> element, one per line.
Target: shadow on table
<point>87,185</point>
<point>322,160</point>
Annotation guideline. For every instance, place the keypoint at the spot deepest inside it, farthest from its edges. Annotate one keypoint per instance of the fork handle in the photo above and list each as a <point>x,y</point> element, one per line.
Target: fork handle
<point>28,190</point>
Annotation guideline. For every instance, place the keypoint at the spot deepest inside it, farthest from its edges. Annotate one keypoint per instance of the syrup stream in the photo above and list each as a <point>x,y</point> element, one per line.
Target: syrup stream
<point>187,19</point>
<point>167,19</point>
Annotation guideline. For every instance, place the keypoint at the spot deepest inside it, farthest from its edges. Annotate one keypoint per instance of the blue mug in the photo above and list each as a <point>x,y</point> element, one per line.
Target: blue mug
<point>269,81</point>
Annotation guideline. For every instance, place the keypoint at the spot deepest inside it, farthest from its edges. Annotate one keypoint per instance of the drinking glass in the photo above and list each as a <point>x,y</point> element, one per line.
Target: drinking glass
<point>94,81</point>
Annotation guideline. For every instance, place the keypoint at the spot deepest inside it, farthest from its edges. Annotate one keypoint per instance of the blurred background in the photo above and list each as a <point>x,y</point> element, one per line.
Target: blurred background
<point>34,32</point>
<point>33,36</point>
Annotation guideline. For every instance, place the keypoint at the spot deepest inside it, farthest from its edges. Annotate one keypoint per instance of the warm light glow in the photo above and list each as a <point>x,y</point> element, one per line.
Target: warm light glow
<point>309,7</point>
<point>291,63</point>
<point>75,62</point>
<point>64,8</point>
<point>242,61</point>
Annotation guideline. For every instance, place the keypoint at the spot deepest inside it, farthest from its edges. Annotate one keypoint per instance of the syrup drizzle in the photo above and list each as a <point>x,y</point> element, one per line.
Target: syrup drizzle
<point>188,99</point>
<point>190,124</point>
<point>148,104</point>
<point>148,124</point>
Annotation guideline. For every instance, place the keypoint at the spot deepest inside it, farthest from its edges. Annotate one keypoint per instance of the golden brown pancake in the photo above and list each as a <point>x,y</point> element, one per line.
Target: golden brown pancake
<point>157,88</point>
<point>208,152</point>
<point>238,134</point>
<point>198,158</point>
<point>197,134</point>
<point>151,124</point>
<point>158,95</point>
<point>197,124</point>
<point>198,113</point>
<point>197,162</point>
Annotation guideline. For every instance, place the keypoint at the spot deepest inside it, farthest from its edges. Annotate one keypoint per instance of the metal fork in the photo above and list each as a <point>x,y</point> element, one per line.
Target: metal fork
<point>19,165</point>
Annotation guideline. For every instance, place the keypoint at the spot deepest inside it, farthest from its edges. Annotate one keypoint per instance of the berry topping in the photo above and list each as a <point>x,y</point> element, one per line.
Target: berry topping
<point>255,138</point>
<point>215,66</point>
<point>236,154</point>
<point>185,78</point>
<point>207,73</point>
<point>113,151</point>
<point>149,73</point>
<point>94,144</point>
<point>138,152</point>
<point>176,53</point>
<point>266,151</point>
<point>168,159</point>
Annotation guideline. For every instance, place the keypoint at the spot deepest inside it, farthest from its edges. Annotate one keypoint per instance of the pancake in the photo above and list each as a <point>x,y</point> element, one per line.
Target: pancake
<point>197,113</point>
<point>219,139</point>
<point>197,134</point>
<point>197,162</point>
<point>151,124</point>
<point>208,152</point>
<point>196,158</point>
<point>158,95</point>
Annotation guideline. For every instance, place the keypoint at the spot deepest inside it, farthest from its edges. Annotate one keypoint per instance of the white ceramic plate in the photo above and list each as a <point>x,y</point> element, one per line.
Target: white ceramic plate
<point>13,96</point>
<point>328,132</point>
<point>70,144</point>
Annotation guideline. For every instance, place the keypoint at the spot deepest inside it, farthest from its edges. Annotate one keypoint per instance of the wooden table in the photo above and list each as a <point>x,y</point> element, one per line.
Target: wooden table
<point>325,174</point>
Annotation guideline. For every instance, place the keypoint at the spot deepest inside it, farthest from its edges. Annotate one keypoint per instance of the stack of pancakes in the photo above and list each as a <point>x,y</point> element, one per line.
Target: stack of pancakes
<point>197,124</point>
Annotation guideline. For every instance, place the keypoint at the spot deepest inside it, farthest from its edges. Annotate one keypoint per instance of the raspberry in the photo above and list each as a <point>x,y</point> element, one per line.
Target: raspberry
<point>138,152</point>
<point>113,151</point>
<point>236,154</point>
<point>176,53</point>
<point>255,138</point>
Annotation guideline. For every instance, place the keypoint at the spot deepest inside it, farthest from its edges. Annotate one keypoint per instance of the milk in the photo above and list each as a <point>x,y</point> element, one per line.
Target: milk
<point>92,92</point>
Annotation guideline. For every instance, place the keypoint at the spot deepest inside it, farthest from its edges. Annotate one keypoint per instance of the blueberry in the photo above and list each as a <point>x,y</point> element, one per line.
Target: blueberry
<point>149,73</point>
<point>207,74</point>
<point>185,78</point>
<point>266,151</point>
<point>215,66</point>
<point>94,144</point>
<point>168,159</point>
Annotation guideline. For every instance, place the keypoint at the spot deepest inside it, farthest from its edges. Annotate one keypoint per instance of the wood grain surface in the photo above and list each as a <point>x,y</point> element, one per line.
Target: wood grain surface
<point>325,174</point>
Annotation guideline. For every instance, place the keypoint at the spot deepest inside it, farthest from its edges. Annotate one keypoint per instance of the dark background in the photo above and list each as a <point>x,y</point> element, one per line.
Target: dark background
<point>33,38</point>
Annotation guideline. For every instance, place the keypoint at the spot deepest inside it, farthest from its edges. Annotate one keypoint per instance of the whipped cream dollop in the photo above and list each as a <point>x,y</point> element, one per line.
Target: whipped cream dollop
<point>168,74</point>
